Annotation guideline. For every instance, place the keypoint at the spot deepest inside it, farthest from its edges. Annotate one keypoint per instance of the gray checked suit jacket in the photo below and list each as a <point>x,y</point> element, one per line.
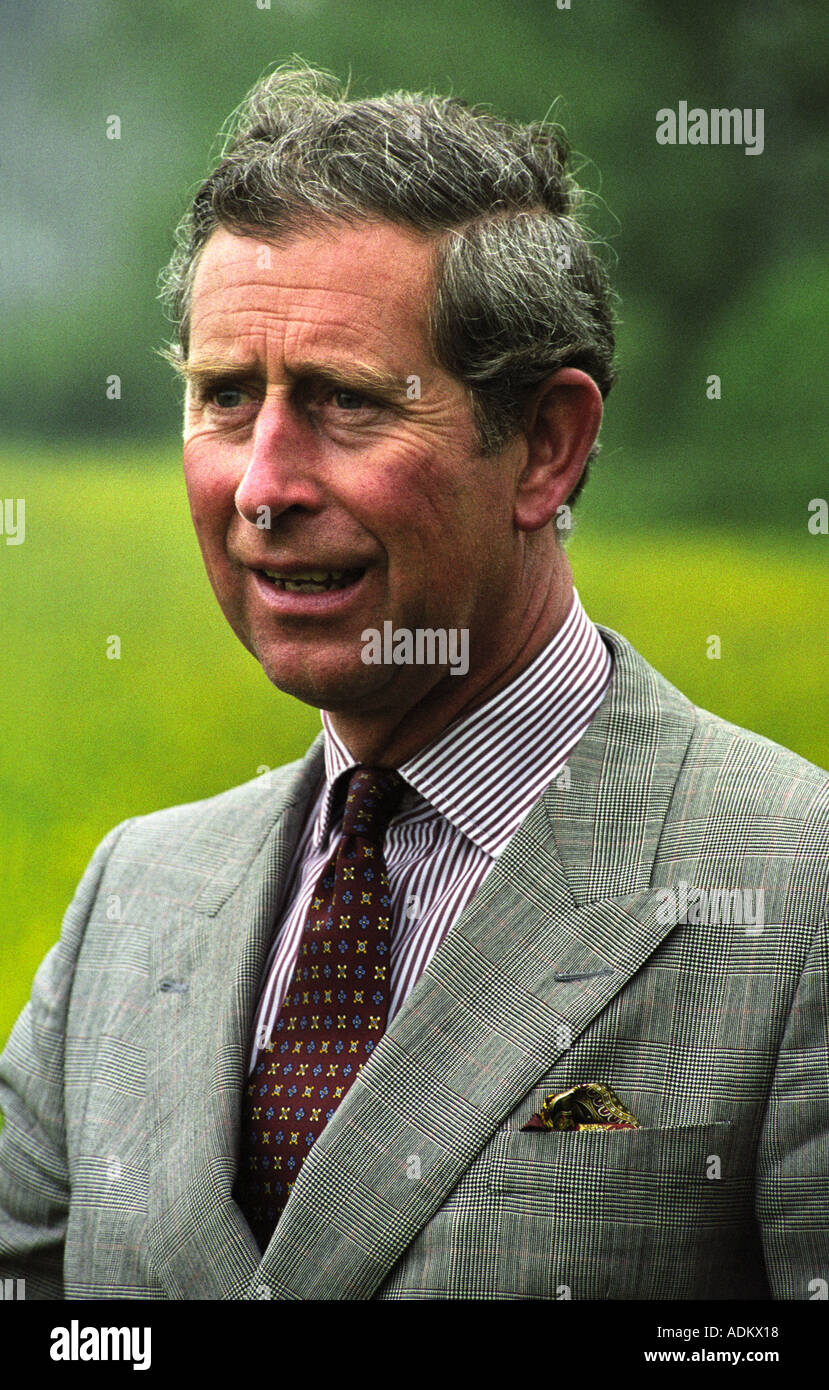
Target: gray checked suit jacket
<point>121,1082</point>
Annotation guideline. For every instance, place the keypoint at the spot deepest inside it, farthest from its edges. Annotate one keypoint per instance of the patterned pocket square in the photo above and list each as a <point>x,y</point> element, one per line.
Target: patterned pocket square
<point>590,1105</point>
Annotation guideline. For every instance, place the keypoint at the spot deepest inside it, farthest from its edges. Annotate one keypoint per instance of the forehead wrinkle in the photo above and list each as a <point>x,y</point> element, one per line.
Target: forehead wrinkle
<point>314,315</point>
<point>308,325</point>
<point>314,287</point>
<point>237,278</point>
<point>213,318</point>
<point>316,312</point>
<point>302,346</point>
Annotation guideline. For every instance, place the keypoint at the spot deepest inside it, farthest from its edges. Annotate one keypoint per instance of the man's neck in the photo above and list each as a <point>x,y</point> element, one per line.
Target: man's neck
<point>389,739</point>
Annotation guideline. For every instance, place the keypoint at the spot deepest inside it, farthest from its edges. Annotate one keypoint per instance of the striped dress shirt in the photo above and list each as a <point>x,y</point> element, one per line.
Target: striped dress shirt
<point>467,794</point>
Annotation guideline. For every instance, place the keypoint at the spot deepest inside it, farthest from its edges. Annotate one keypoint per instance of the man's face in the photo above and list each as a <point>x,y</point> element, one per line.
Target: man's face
<point>315,406</point>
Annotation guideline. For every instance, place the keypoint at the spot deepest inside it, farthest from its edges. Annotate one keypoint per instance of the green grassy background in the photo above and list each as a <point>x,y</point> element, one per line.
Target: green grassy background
<point>186,712</point>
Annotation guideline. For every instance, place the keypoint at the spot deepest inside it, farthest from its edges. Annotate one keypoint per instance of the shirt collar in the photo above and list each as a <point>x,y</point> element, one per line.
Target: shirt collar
<point>488,768</point>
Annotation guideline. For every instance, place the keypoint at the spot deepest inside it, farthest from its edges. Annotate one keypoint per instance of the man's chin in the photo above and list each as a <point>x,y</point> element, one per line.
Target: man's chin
<point>339,688</point>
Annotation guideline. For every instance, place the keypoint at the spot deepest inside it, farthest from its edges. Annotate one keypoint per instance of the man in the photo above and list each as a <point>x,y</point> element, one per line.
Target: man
<point>516,985</point>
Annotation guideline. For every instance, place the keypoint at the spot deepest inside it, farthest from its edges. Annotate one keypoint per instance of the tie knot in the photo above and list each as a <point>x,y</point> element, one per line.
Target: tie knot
<point>374,794</point>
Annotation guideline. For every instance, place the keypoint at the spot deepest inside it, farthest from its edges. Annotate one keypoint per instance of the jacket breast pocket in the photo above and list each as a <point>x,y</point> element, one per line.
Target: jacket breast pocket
<point>537,1159</point>
<point>625,1213</point>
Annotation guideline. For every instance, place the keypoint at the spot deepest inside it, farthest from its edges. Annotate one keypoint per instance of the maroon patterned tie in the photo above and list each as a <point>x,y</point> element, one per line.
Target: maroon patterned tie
<point>335,1008</point>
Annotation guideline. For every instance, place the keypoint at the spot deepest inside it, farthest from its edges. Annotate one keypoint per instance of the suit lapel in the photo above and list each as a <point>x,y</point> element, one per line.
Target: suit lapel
<point>206,975</point>
<point>564,919</point>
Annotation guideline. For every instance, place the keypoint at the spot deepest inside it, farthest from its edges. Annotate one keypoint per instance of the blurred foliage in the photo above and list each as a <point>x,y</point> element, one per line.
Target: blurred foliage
<point>720,258</point>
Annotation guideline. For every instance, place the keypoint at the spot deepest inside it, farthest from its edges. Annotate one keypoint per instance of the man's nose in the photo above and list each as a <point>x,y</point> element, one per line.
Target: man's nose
<point>281,472</point>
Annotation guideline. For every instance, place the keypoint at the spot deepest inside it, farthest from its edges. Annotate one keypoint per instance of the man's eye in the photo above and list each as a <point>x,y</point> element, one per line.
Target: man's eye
<point>226,397</point>
<point>349,400</point>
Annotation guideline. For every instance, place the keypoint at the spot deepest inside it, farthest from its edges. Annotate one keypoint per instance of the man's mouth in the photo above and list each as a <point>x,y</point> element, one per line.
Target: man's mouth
<point>312,581</point>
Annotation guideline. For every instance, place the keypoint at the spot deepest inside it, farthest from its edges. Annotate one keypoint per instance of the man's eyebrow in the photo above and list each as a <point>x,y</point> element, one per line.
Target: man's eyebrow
<point>207,370</point>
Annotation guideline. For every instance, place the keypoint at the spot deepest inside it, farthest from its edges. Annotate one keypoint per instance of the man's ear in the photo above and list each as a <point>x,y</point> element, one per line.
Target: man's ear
<point>561,424</point>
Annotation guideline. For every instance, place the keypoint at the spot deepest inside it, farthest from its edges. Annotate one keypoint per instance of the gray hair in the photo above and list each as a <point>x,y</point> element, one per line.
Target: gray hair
<point>518,291</point>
